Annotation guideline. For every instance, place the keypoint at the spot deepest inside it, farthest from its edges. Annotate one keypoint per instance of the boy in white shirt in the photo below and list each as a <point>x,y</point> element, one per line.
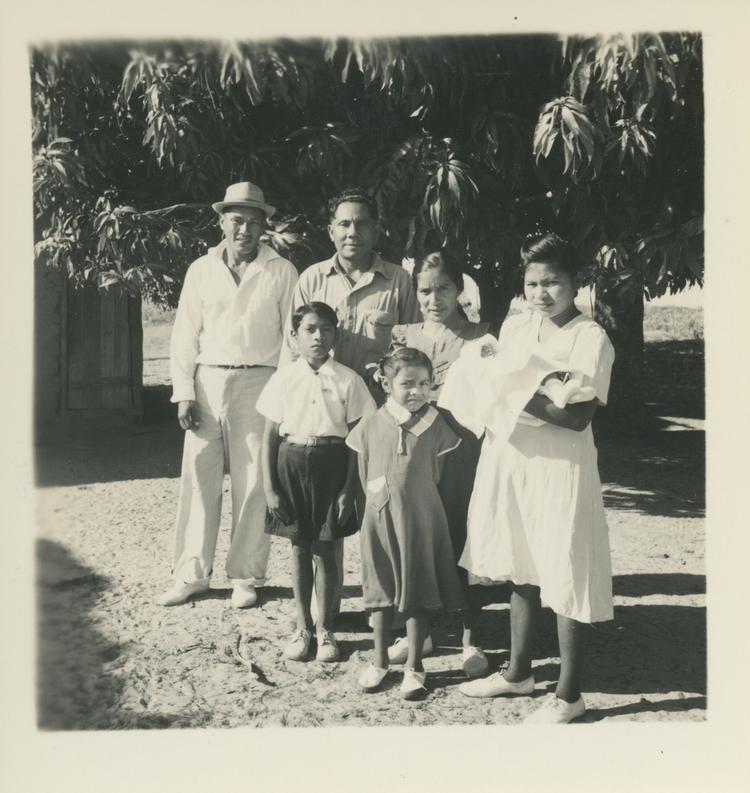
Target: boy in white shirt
<point>309,475</point>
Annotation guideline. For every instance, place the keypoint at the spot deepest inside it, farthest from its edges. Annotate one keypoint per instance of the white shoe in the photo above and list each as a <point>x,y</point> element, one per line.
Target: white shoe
<point>328,647</point>
<point>178,593</point>
<point>474,661</point>
<point>298,646</point>
<point>371,678</point>
<point>413,684</point>
<point>554,710</point>
<point>497,686</point>
<point>243,595</point>
<point>399,650</point>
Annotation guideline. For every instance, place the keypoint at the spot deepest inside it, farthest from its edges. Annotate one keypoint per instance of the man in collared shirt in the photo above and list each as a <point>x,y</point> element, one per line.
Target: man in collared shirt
<point>369,295</point>
<point>225,345</point>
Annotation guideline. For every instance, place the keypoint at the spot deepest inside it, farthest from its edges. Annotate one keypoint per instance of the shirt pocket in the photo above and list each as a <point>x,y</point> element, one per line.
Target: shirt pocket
<point>379,324</point>
<point>377,493</point>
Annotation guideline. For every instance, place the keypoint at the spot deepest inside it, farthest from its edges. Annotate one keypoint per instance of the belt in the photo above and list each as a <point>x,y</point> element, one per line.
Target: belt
<point>304,440</point>
<point>231,366</point>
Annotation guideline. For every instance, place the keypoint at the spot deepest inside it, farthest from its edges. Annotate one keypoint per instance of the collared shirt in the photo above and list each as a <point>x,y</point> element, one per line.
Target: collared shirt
<point>221,322</point>
<point>367,311</point>
<point>315,403</point>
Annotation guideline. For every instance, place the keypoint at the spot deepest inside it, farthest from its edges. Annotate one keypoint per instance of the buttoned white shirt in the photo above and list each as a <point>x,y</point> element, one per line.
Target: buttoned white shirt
<point>221,322</point>
<point>315,403</point>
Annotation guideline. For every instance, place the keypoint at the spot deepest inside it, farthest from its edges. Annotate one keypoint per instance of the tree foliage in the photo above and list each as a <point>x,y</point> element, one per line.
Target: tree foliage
<point>473,142</point>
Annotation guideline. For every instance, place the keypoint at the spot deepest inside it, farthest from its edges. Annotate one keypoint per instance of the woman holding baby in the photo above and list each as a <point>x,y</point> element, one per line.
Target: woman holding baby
<point>536,516</point>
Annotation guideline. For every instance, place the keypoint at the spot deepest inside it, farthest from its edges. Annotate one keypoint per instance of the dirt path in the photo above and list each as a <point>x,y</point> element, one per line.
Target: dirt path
<point>105,512</point>
<point>104,554</point>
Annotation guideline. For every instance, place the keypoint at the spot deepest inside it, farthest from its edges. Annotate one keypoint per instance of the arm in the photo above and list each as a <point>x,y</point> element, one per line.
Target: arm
<point>269,456</point>
<point>183,352</point>
<point>572,417</point>
<point>398,337</point>
<point>345,498</point>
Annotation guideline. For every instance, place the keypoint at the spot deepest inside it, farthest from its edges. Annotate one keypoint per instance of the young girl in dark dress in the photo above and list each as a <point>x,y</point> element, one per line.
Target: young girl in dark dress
<point>408,563</point>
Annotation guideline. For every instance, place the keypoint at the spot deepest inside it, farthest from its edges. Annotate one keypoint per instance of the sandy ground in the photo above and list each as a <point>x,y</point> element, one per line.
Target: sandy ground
<point>109,658</point>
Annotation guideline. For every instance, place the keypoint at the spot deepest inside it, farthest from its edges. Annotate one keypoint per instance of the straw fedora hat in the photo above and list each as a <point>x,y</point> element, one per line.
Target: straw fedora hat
<point>244,194</point>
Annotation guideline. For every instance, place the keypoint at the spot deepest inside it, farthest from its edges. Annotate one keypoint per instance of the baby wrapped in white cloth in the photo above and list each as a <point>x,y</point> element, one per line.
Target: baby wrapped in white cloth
<point>491,382</point>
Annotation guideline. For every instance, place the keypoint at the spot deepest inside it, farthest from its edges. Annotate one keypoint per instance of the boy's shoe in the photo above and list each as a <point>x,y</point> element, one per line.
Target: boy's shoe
<point>474,661</point>
<point>413,684</point>
<point>398,652</point>
<point>298,646</point>
<point>243,595</point>
<point>371,679</point>
<point>554,710</point>
<point>497,686</point>
<point>178,594</point>
<point>328,648</point>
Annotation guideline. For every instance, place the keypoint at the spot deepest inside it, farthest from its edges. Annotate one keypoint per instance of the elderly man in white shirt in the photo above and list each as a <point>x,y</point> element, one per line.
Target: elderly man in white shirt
<point>225,346</point>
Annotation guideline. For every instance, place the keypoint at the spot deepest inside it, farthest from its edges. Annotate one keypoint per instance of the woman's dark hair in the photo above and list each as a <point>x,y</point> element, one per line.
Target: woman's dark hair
<point>554,250</point>
<point>356,195</point>
<point>390,364</point>
<point>440,260</point>
<point>323,310</point>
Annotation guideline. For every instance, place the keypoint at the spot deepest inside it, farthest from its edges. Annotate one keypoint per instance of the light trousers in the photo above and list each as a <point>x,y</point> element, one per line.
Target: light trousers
<point>228,439</point>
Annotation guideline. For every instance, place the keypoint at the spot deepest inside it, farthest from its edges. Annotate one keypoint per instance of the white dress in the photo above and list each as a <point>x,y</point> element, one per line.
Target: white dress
<point>536,514</point>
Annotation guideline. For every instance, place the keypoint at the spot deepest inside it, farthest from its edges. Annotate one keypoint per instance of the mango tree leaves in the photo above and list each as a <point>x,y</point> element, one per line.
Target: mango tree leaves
<point>564,125</point>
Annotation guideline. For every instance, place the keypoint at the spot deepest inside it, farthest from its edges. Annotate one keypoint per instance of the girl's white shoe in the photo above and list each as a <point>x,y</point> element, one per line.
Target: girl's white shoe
<point>371,678</point>
<point>496,685</point>
<point>554,710</point>
<point>413,684</point>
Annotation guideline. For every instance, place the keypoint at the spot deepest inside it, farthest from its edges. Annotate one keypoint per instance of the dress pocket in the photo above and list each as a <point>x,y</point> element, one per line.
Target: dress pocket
<point>377,492</point>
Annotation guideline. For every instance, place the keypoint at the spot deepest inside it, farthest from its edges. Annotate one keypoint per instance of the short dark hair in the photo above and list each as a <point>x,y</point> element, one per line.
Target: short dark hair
<point>392,362</point>
<point>356,195</point>
<point>323,310</point>
<point>551,249</point>
<point>440,260</point>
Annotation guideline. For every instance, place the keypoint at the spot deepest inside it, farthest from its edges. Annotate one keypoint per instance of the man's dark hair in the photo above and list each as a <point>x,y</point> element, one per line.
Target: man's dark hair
<point>356,195</point>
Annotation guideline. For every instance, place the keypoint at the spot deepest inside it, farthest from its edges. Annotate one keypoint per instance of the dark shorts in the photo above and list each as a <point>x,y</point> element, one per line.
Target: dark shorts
<point>310,479</point>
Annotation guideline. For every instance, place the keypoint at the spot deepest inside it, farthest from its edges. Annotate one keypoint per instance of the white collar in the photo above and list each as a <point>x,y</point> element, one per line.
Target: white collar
<point>326,368</point>
<point>403,416</point>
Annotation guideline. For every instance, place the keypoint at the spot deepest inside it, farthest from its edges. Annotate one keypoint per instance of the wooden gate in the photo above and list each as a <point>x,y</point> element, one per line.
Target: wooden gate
<point>103,351</point>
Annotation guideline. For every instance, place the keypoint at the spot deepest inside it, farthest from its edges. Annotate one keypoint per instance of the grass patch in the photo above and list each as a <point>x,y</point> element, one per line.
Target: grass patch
<point>672,323</point>
<point>155,315</point>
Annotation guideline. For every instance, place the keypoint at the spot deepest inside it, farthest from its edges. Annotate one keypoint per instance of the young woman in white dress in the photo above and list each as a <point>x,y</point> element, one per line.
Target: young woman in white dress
<point>536,516</point>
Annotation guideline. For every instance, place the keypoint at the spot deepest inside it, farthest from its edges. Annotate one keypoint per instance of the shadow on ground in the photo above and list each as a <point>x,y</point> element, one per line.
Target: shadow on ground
<point>77,684</point>
<point>657,648</point>
<point>654,469</point>
<point>78,454</point>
